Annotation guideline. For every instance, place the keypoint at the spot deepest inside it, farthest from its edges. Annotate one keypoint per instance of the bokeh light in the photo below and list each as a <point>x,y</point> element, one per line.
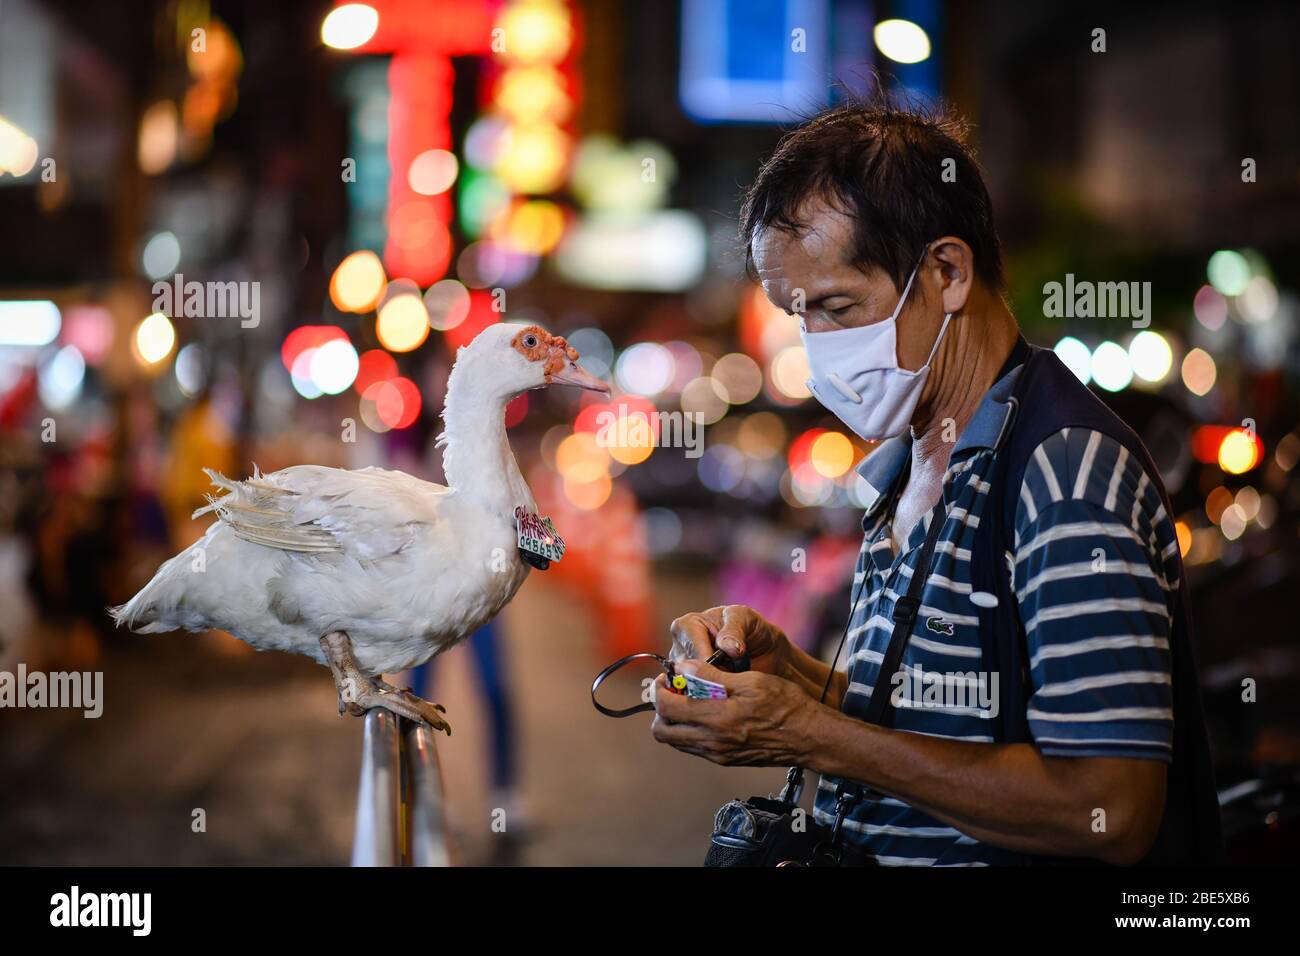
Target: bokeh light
<point>349,26</point>
<point>1233,522</point>
<point>832,455</point>
<point>161,256</point>
<point>433,172</point>
<point>358,282</point>
<point>334,366</point>
<point>1259,300</point>
<point>902,41</point>
<point>154,338</point>
<point>739,377</point>
<point>392,404</point>
<point>1199,372</point>
<point>534,158</point>
<point>403,323</point>
<point>536,32</point>
<point>644,369</point>
<point>1110,367</point>
<point>1240,451</point>
<point>528,94</point>
<point>588,495</point>
<point>789,373</point>
<point>60,379</point>
<point>190,370</point>
<point>1151,357</point>
<point>704,397</point>
<point>1076,356</point>
<point>1228,271</point>
<point>761,435</point>
<point>373,366</point>
<point>1210,308</point>
<point>534,227</point>
<point>447,303</point>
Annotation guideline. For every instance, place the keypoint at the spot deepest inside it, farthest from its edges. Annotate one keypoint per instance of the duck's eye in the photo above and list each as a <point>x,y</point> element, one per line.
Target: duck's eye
<point>530,341</point>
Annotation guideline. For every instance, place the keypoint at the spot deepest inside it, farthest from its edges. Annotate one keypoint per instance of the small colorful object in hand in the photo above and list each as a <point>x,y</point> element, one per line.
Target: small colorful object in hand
<point>697,688</point>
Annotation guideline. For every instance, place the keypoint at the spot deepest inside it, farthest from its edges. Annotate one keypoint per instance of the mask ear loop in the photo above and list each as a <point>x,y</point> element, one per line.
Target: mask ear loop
<point>893,316</point>
<point>946,316</point>
<point>937,339</point>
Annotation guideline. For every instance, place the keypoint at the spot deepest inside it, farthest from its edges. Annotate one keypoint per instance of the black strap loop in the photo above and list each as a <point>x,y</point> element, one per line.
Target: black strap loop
<point>905,609</point>
<point>718,659</point>
<point>639,708</point>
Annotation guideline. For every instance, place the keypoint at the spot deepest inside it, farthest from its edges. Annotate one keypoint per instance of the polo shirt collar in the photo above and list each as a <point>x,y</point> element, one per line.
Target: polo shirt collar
<point>880,469</point>
<point>992,417</point>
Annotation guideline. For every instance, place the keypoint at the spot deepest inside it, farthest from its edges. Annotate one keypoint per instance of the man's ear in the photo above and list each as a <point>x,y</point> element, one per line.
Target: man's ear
<point>953,263</point>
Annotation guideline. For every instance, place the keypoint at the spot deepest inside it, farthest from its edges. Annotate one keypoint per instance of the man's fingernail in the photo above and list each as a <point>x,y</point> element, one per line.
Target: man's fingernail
<point>730,645</point>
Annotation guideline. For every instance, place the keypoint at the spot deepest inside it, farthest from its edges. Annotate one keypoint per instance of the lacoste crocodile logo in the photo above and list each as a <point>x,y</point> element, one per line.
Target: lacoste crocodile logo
<point>939,626</point>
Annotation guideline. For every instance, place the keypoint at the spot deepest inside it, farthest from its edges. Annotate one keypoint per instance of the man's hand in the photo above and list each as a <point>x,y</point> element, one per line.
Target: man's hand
<point>736,629</point>
<point>733,629</point>
<point>762,723</point>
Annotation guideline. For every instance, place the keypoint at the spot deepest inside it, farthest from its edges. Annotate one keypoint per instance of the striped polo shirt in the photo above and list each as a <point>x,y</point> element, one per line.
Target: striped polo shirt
<point>1095,577</point>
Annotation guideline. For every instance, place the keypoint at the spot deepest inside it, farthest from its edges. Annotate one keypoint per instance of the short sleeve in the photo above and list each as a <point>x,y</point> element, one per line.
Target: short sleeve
<point>1094,564</point>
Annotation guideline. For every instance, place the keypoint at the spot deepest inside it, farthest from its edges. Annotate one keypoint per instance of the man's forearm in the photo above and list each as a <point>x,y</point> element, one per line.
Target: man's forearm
<point>809,674</point>
<point>1007,795</point>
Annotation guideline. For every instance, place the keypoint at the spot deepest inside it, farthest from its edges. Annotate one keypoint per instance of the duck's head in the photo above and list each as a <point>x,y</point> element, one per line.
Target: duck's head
<point>527,356</point>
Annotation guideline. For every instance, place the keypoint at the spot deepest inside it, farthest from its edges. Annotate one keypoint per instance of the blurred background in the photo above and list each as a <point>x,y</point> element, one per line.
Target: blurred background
<point>383,180</point>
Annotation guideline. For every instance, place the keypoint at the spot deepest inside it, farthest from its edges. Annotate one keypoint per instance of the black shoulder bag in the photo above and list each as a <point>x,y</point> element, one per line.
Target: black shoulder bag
<point>774,831</point>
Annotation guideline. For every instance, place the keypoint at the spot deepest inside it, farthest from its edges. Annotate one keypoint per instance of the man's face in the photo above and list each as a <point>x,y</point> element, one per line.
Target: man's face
<point>837,294</point>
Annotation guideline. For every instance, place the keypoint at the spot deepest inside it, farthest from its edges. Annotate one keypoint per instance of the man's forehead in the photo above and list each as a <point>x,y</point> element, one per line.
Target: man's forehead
<point>816,255</point>
<point>823,236</point>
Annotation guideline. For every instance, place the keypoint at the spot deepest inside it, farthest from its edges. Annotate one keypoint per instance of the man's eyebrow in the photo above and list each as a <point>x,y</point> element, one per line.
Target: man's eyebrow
<point>830,292</point>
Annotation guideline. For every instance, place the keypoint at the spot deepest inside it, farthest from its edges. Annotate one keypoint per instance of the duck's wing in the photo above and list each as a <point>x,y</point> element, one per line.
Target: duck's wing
<point>310,509</point>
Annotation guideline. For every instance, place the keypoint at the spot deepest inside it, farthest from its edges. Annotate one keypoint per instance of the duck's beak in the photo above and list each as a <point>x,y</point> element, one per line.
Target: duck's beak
<point>571,373</point>
<point>563,360</point>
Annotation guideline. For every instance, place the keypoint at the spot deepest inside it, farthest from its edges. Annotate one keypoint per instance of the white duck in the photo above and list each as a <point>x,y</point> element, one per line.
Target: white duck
<point>372,571</point>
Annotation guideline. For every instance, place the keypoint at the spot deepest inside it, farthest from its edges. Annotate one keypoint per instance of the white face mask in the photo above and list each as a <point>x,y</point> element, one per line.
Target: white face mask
<point>855,373</point>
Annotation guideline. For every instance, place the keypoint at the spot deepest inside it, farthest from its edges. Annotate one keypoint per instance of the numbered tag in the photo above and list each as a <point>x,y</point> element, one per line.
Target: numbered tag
<point>537,535</point>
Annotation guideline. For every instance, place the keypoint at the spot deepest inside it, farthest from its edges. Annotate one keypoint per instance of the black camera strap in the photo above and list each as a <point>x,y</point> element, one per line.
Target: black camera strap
<point>906,610</point>
<point>905,613</point>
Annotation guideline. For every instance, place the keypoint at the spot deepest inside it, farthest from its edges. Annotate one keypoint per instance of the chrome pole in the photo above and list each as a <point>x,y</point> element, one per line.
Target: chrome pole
<point>377,838</point>
<point>427,812</point>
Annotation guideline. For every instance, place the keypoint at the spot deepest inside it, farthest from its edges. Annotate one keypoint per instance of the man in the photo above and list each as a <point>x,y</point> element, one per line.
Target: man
<point>872,226</point>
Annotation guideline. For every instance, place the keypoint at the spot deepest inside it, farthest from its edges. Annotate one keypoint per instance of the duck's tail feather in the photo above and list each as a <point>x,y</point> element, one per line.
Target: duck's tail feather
<point>155,608</point>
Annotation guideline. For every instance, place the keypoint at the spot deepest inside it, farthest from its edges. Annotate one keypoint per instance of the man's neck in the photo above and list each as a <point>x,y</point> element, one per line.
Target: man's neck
<point>970,356</point>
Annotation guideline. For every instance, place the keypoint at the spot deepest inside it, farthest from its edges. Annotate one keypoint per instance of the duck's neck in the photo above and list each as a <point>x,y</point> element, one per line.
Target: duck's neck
<point>476,457</point>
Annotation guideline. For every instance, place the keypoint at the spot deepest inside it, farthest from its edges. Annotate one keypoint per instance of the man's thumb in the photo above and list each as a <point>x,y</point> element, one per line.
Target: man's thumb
<point>730,641</point>
<point>731,636</point>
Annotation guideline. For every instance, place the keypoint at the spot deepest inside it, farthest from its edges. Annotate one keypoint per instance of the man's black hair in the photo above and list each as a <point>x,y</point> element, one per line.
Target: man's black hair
<point>881,163</point>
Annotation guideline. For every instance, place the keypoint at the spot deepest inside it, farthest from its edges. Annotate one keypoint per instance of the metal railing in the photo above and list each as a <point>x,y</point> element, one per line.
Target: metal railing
<point>401,809</point>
